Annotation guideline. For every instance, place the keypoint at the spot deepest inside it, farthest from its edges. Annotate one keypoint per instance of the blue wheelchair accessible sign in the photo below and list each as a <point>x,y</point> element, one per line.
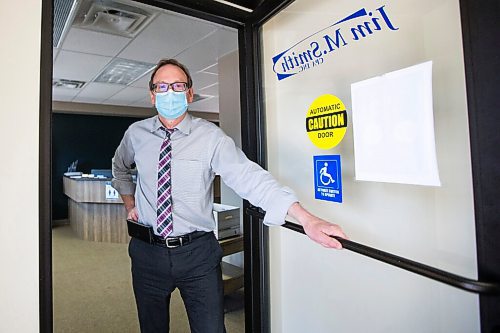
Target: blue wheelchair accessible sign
<point>327,178</point>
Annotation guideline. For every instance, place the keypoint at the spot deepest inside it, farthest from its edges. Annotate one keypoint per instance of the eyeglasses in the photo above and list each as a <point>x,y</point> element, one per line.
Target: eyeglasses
<point>162,87</point>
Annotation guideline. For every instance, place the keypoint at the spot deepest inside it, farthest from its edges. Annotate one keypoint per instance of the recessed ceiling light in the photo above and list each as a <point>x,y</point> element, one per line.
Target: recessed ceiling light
<point>123,71</point>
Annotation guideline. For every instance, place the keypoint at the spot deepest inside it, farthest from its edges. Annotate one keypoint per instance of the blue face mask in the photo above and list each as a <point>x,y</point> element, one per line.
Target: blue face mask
<point>171,104</point>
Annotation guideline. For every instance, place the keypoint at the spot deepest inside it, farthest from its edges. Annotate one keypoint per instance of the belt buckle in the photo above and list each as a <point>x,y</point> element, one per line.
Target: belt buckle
<point>173,246</point>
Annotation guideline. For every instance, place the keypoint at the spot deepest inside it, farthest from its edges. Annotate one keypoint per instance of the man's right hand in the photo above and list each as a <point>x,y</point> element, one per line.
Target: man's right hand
<point>133,215</point>
<point>129,203</point>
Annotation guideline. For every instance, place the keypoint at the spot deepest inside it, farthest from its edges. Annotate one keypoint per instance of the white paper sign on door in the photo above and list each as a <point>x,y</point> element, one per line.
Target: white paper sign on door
<point>393,127</point>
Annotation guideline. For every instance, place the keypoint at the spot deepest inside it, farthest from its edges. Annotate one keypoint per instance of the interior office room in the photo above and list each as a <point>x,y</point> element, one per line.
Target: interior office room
<point>421,219</point>
<point>101,74</point>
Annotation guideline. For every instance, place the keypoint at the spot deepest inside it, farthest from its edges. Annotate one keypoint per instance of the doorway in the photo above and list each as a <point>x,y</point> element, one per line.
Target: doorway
<point>86,96</point>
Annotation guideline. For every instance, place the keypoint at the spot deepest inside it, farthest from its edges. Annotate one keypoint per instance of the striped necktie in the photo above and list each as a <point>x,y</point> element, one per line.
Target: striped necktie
<point>164,223</point>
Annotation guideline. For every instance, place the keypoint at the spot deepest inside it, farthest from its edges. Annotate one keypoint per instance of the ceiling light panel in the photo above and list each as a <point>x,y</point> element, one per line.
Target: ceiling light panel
<point>123,71</point>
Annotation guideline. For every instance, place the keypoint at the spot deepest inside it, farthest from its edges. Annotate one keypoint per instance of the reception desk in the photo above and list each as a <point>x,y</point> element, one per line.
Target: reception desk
<point>92,216</point>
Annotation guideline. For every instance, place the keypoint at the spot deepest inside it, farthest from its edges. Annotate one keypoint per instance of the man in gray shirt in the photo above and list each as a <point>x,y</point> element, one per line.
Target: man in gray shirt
<point>177,157</point>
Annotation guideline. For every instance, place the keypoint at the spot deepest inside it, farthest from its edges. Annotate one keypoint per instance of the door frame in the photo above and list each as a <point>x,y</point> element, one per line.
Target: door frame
<point>479,21</point>
<point>482,65</point>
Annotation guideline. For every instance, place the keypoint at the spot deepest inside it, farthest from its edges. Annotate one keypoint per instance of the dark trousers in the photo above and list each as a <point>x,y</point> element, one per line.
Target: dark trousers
<point>193,268</point>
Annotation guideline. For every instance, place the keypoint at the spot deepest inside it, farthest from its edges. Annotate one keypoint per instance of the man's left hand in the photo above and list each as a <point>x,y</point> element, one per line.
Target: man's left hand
<point>317,229</point>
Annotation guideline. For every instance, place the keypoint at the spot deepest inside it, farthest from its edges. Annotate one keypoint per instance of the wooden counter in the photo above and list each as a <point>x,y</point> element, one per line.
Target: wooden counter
<point>232,276</point>
<point>91,215</point>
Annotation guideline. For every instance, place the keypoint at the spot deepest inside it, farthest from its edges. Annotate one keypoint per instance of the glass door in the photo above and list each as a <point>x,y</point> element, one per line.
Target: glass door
<point>366,116</point>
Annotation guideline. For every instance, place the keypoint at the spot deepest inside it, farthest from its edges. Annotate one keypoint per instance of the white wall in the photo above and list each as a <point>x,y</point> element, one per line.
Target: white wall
<point>230,123</point>
<point>20,23</point>
<point>319,290</point>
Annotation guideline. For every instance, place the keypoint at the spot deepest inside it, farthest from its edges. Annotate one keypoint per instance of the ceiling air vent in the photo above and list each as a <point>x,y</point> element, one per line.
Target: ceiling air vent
<point>69,84</point>
<point>63,12</point>
<point>112,17</point>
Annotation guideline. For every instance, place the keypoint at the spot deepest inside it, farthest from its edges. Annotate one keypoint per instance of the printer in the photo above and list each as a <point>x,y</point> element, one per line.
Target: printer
<point>227,220</point>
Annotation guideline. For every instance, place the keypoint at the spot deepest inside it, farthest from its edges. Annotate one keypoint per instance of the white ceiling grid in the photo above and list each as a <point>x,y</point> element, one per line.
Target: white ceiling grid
<point>198,44</point>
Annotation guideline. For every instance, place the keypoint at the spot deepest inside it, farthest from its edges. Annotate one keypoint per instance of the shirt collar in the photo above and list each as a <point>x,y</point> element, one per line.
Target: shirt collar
<point>184,126</point>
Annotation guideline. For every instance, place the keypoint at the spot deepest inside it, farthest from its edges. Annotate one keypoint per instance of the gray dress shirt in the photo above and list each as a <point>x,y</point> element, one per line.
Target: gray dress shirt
<point>200,150</point>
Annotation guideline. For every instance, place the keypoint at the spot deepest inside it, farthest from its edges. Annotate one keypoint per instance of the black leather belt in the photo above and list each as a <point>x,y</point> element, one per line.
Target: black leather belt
<point>173,242</point>
<point>145,233</point>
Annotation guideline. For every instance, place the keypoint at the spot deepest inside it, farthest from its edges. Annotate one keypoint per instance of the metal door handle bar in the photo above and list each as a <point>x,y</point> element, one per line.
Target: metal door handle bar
<point>475,286</point>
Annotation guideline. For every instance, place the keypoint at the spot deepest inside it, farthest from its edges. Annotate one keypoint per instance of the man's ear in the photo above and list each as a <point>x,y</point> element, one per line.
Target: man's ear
<point>189,95</point>
<point>152,98</point>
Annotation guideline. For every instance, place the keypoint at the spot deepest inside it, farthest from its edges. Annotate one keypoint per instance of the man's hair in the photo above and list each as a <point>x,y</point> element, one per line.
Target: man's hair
<point>174,62</point>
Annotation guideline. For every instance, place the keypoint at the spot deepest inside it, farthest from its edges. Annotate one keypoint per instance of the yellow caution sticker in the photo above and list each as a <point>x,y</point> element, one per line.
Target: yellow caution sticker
<point>326,121</point>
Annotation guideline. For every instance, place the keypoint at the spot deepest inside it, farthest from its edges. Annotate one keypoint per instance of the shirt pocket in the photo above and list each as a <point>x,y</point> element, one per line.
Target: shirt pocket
<point>187,180</point>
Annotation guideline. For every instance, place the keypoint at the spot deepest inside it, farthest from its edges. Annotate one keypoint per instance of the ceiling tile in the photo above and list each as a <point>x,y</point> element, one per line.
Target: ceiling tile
<point>64,94</point>
<point>207,105</point>
<point>212,69</point>
<point>143,82</point>
<point>206,52</point>
<point>227,41</point>
<point>145,103</point>
<point>201,55</point>
<point>96,92</point>
<point>59,98</point>
<point>165,37</point>
<point>78,66</point>
<point>94,42</point>
<point>212,90</point>
<point>55,51</point>
<point>128,96</point>
<point>201,80</point>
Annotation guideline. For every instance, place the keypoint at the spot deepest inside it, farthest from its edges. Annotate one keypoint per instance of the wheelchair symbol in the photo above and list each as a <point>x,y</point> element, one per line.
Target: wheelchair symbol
<point>325,178</point>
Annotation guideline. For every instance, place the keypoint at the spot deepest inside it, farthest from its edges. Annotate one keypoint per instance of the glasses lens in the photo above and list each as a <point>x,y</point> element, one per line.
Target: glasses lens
<point>179,86</point>
<point>161,87</point>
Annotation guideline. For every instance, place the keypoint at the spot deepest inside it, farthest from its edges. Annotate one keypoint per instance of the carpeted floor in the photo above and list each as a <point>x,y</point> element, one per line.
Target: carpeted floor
<point>93,290</point>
